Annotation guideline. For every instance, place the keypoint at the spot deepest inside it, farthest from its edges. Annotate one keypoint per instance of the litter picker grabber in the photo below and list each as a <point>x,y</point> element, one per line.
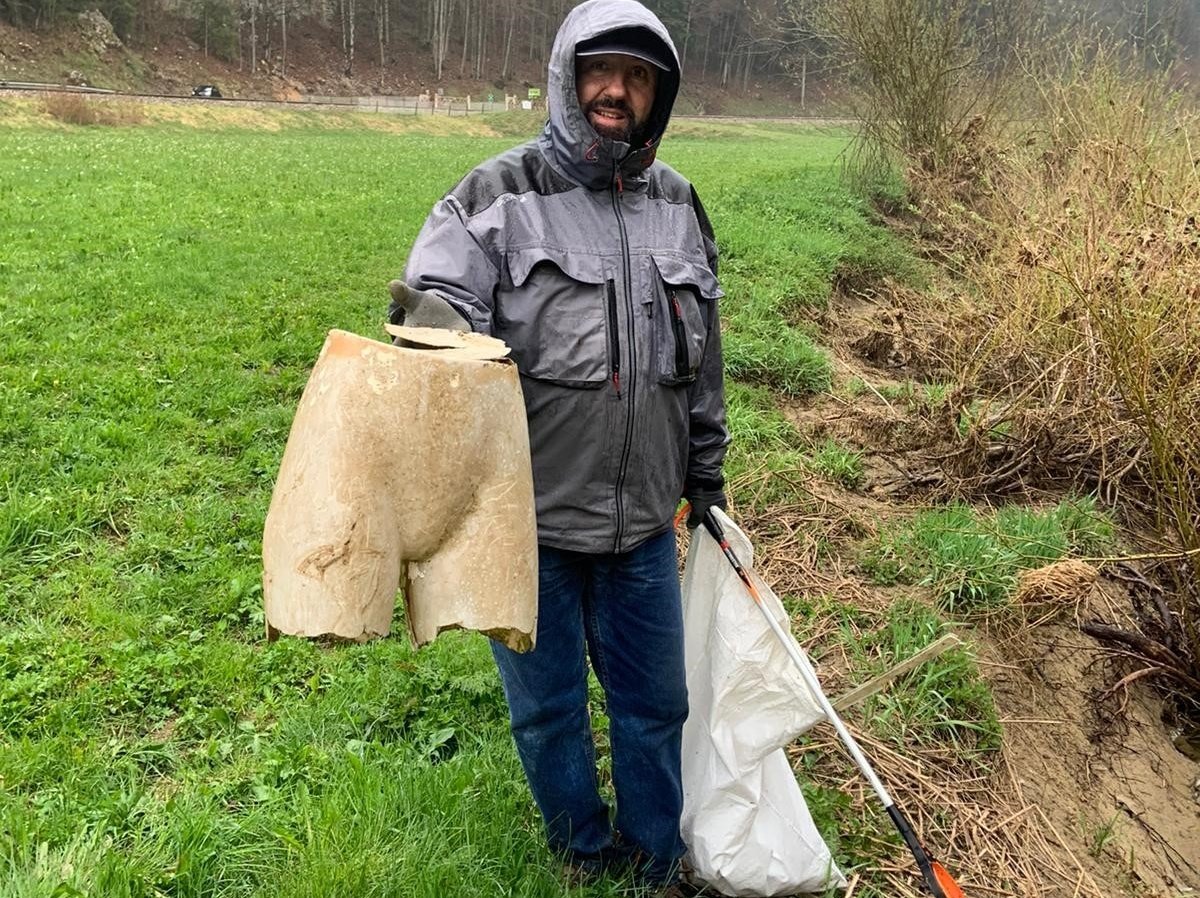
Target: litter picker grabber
<point>937,879</point>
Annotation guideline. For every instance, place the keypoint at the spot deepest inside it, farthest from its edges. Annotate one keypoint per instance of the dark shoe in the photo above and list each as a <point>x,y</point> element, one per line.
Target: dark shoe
<point>581,872</point>
<point>676,890</point>
<point>583,869</point>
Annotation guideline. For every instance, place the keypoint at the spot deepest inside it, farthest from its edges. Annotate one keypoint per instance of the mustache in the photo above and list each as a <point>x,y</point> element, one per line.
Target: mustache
<point>610,103</point>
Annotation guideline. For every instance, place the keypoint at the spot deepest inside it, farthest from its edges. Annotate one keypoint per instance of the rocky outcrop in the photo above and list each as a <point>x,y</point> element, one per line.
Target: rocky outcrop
<point>97,32</point>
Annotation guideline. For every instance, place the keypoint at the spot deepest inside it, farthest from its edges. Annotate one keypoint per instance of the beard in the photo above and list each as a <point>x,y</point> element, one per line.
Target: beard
<point>625,130</point>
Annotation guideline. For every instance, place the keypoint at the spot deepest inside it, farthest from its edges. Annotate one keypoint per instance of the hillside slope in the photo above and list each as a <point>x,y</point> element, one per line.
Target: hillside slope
<point>87,50</point>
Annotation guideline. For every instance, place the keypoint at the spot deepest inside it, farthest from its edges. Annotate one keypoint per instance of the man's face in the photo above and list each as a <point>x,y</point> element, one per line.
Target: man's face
<point>616,93</point>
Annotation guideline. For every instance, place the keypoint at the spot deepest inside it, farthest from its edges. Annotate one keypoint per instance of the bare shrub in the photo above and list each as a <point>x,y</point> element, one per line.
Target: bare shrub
<point>927,74</point>
<point>70,108</point>
<point>76,109</point>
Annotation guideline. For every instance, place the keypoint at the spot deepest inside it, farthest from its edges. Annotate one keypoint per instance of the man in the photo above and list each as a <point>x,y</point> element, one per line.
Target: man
<point>597,266</point>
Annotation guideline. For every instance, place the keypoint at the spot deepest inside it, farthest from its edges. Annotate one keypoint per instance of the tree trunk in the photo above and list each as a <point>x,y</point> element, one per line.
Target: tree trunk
<point>266,44</point>
<point>512,22</point>
<point>348,36</point>
<point>253,38</point>
<point>462,63</point>
<point>350,60</point>
<point>345,43</point>
<point>687,33</point>
<point>380,6</point>
<point>724,59</point>
<point>440,41</point>
<point>283,23</point>
<point>544,46</point>
<point>729,49</point>
<point>803,82</point>
<point>480,44</point>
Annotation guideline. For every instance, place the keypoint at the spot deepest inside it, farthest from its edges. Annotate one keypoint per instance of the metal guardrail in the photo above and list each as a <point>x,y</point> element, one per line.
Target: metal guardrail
<point>449,106</point>
<point>66,88</point>
<point>422,104</point>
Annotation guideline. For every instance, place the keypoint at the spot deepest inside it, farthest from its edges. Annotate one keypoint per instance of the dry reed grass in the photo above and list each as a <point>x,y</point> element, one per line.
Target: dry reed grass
<point>1081,348</point>
<point>792,532</point>
<point>1052,590</point>
<point>970,810</point>
<point>977,821</point>
<point>75,109</point>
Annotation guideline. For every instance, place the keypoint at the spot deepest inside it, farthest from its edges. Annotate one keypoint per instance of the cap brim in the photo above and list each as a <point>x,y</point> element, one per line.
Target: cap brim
<point>624,50</point>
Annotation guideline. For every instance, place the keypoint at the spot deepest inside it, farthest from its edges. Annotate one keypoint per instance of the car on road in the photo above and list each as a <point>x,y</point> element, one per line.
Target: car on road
<point>208,91</point>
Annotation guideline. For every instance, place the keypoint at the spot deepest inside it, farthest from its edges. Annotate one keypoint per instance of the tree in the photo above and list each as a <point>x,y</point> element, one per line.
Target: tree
<point>923,68</point>
<point>214,27</point>
<point>439,38</point>
<point>347,12</point>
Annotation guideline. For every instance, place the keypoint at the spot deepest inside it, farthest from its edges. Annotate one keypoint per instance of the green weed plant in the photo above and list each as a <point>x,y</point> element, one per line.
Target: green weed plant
<point>944,702</point>
<point>838,463</point>
<point>971,559</point>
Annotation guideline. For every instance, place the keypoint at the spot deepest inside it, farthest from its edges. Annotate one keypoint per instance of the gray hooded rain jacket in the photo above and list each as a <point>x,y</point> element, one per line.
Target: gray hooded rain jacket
<point>596,264</point>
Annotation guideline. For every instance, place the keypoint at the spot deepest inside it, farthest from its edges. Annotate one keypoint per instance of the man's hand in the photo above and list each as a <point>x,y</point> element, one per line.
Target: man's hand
<point>421,308</point>
<point>701,502</point>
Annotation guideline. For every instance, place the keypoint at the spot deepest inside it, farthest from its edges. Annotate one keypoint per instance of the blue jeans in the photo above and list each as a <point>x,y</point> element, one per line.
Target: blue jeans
<point>623,611</point>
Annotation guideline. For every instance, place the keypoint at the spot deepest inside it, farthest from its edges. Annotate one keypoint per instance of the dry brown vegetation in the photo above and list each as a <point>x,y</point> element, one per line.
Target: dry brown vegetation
<point>1059,190</point>
<point>1077,342</point>
<point>74,109</point>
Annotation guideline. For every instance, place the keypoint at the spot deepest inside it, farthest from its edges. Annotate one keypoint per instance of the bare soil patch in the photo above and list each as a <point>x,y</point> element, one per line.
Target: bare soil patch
<point>1093,755</point>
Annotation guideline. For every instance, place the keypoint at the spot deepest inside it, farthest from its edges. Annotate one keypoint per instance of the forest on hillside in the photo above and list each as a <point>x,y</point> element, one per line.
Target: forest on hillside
<point>723,41</point>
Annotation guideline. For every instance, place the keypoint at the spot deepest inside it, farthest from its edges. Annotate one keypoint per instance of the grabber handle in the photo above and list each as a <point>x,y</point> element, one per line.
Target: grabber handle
<point>713,526</point>
<point>939,882</point>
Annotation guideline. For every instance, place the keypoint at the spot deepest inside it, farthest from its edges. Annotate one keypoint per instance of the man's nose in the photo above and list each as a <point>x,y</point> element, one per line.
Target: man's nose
<point>616,85</point>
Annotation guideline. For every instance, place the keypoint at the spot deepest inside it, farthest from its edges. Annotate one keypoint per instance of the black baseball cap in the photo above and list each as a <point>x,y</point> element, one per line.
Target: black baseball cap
<point>639,42</point>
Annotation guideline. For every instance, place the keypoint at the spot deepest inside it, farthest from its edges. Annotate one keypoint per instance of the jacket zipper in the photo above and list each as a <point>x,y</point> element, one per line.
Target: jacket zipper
<point>681,356</point>
<point>614,337</point>
<point>622,469</point>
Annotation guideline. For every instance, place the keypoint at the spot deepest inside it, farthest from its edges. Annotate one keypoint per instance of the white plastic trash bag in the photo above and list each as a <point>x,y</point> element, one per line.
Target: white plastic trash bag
<point>745,822</point>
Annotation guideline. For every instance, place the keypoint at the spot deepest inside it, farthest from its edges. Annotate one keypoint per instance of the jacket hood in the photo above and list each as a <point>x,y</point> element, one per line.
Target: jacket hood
<point>568,139</point>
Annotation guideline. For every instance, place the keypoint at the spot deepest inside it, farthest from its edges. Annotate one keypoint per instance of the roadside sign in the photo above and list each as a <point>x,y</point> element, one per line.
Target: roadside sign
<point>535,93</point>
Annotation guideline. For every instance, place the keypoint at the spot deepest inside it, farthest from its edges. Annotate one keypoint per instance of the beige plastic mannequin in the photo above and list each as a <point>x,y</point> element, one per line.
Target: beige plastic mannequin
<point>405,461</point>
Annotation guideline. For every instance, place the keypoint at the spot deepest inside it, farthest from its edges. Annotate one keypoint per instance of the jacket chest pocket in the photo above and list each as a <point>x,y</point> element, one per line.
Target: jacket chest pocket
<point>552,313</point>
<point>680,320</point>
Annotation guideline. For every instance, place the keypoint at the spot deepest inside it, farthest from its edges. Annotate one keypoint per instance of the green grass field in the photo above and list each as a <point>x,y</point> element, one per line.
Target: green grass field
<point>163,292</point>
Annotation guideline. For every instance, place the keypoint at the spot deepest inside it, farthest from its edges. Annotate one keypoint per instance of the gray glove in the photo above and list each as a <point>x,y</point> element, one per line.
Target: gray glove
<point>701,501</point>
<point>422,308</point>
